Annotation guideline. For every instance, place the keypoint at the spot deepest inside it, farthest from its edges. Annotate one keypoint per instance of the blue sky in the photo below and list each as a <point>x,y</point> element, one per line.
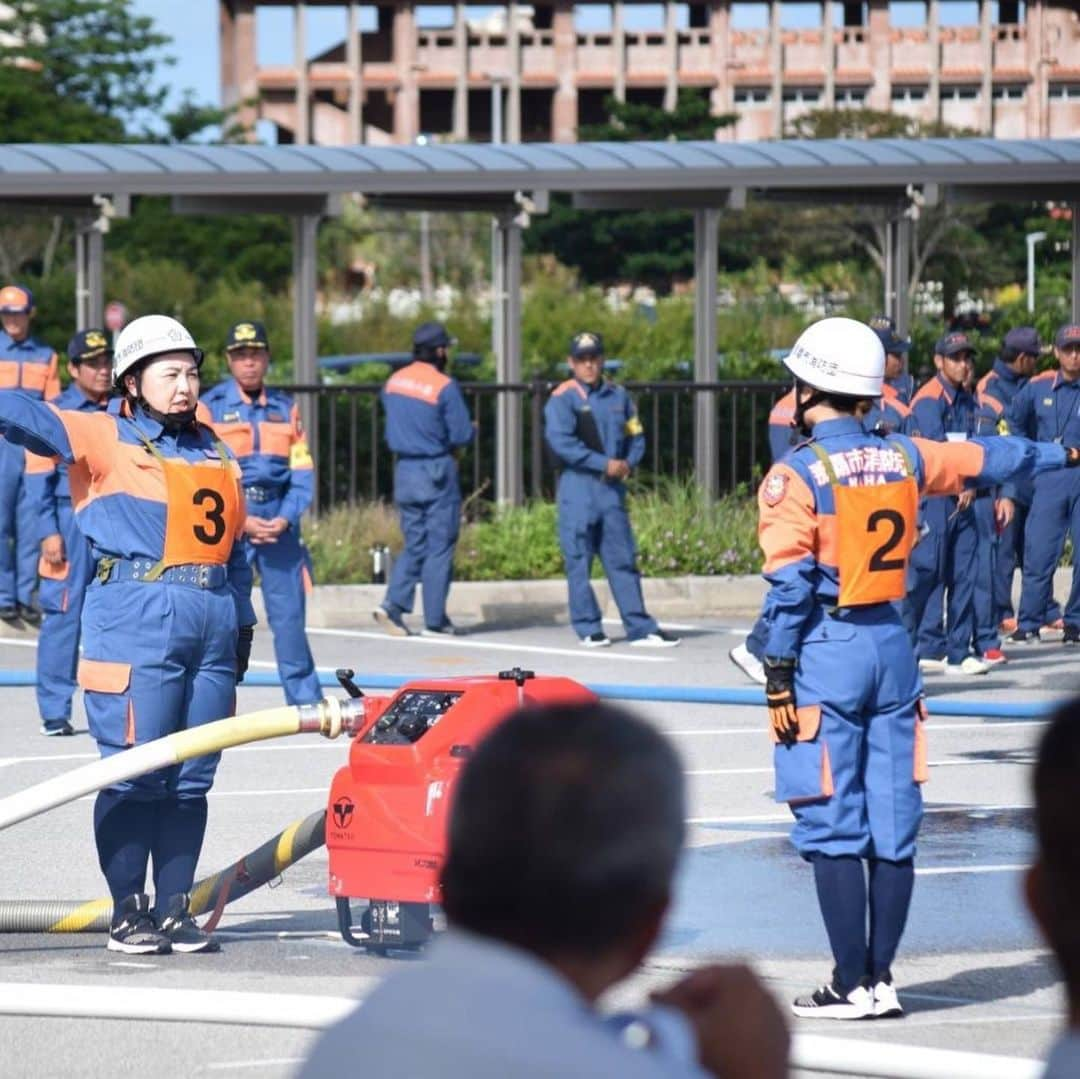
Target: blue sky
<point>193,26</point>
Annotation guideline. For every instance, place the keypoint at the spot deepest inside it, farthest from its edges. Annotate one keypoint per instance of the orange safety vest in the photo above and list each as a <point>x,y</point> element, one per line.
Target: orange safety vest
<point>876,528</point>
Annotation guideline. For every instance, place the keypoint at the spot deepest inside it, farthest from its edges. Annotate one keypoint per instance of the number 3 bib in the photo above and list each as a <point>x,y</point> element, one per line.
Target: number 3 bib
<point>202,510</point>
<point>875,527</point>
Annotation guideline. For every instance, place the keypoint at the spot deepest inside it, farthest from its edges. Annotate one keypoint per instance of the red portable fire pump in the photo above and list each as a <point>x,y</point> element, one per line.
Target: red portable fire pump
<point>387,815</point>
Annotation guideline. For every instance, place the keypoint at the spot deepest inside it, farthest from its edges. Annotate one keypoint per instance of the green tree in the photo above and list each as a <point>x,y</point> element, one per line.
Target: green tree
<point>94,53</point>
<point>629,121</point>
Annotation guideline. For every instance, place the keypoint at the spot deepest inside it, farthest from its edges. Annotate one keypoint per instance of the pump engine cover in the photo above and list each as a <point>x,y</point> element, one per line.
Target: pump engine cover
<point>386,819</point>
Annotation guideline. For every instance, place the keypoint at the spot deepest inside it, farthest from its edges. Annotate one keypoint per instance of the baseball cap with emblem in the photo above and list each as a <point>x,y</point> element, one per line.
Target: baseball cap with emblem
<point>246,335</point>
<point>1068,335</point>
<point>16,300</point>
<point>586,344</point>
<point>88,345</point>
<point>952,344</point>
<point>1023,339</point>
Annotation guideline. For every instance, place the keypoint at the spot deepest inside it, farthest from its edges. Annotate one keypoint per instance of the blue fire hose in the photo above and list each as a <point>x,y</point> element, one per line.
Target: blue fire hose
<point>938,706</point>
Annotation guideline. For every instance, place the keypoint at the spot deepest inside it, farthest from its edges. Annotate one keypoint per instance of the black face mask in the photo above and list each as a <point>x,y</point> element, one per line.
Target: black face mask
<point>173,422</point>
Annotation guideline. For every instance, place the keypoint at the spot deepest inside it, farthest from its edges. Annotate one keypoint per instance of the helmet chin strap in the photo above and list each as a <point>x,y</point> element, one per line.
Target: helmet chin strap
<point>798,420</point>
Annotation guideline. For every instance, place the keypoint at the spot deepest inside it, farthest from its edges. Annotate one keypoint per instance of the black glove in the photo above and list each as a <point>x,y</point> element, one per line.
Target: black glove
<point>1072,456</point>
<point>244,636</point>
<point>780,698</point>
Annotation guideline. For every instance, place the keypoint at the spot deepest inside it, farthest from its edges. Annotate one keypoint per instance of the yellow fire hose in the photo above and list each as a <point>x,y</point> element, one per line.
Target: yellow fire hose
<point>211,893</point>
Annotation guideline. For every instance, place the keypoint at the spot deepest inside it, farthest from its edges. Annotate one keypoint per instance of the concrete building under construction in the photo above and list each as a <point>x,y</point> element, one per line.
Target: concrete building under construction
<point>403,70</point>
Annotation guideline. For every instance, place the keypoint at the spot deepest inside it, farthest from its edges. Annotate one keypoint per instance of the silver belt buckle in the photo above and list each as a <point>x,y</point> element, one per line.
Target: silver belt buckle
<point>203,576</point>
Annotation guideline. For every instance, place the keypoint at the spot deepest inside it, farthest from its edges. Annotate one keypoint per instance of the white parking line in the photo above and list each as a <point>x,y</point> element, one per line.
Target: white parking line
<point>769,770</point>
<point>457,642</point>
<point>267,1062</point>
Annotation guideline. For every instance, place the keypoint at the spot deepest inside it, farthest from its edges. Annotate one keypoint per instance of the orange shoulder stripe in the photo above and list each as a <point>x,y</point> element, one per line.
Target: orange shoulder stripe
<point>420,381</point>
<point>787,521</point>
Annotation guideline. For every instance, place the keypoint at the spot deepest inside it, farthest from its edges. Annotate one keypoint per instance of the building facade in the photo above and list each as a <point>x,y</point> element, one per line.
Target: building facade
<point>1014,72</point>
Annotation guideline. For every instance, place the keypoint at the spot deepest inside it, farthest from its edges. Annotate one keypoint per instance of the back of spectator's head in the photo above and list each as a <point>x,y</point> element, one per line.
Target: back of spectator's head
<point>566,830</point>
<point>1053,884</point>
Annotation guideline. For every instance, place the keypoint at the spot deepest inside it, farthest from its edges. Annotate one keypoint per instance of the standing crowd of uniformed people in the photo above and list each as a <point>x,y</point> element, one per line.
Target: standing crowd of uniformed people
<point>959,606</point>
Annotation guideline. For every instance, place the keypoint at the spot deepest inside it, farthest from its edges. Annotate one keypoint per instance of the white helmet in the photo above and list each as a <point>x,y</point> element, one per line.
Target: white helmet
<point>149,336</point>
<point>839,355</point>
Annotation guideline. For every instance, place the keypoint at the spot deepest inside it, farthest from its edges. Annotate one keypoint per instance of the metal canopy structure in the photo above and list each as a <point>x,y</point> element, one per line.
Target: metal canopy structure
<point>511,181</point>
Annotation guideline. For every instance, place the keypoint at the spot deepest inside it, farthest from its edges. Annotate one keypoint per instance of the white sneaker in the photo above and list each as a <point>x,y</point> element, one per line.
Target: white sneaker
<point>827,1003</point>
<point>749,664</point>
<point>660,639</point>
<point>932,666</point>
<point>970,665</point>
<point>886,1003</point>
<point>599,639</point>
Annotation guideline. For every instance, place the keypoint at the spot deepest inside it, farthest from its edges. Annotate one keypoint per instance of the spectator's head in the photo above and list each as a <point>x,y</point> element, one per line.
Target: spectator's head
<point>1053,882</point>
<point>564,837</point>
<point>431,344</point>
<point>90,360</point>
<point>1021,350</point>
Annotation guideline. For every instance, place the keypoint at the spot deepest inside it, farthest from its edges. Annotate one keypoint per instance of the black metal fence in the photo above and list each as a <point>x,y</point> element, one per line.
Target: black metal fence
<point>354,463</point>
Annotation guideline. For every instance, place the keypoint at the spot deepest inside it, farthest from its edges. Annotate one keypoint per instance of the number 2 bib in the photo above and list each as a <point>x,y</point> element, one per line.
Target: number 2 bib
<point>875,528</point>
<point>201,512</point>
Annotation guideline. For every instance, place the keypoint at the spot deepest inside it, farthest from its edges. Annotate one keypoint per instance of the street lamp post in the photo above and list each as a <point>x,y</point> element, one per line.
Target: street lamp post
<point>1032,239</point>
<point>497,83</point>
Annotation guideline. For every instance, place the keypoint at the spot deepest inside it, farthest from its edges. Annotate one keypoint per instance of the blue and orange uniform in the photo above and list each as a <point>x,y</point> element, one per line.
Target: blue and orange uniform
<point>63,587</point>
<point>426,421</point>
<point>838,518</point>
<point>945,558</point>
<point>32,367</point>
<point>162,511</point>
<point>267,437</point>
<point>1047,409</point>
<point>996,391</point>
<point>889,414</point>
<point>586,426</point>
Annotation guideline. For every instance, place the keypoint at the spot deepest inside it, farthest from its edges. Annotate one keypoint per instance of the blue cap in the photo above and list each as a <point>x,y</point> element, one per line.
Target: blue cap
<point>882,322</point>
<point>87,344</point>
<point>1068,335</point>
<point>431,335</point>
<point>586,344</point>
<point>890,341</point>
<point>953,344</point>
<point>1023,339</point>
<point>246,335</point>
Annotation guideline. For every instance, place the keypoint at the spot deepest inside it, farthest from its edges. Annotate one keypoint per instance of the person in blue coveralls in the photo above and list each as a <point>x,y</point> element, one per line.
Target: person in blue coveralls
<point>898,380</point>
<point>66,566</point>
<point>1014,366</point>
<point>167,622</point>
<point>261,425</point>
<point>838,517</point>
<point>592,428</point>
<point>426,421</point>
<point>1047,409</point>
<point>946,556</point>
<point>30,366</point>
